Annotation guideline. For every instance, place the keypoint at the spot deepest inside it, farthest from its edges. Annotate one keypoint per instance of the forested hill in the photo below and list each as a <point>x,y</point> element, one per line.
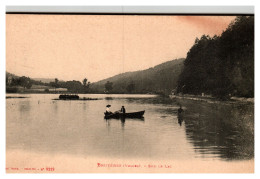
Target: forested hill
<point>159,79</point>
<point>222,65</point>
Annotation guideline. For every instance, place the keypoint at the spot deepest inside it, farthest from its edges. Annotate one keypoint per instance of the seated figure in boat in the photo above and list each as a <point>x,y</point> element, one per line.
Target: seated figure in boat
<point>108,109</point>
<point>123,110</point>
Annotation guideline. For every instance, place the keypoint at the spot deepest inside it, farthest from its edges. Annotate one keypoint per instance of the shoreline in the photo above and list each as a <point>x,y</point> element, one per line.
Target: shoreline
<point>210,99</point>
<point>11,97</point>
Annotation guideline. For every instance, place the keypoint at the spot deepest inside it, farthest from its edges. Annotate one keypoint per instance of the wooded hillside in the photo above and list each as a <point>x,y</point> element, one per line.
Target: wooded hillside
<point>222,65</point>
<point>159,79</point>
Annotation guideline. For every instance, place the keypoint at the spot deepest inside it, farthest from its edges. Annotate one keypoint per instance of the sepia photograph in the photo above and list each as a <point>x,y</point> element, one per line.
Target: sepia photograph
<point>130,92</point>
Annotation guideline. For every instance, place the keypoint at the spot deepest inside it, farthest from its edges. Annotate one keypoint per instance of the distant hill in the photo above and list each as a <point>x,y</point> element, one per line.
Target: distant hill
<point>159,79</point>
<point>43,80</point>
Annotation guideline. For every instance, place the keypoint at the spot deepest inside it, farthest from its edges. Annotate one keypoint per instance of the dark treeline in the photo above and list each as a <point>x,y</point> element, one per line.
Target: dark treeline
<point>72,86</point>
<point>222,65</point>
<point>23,81</point>
<point>13,83</point>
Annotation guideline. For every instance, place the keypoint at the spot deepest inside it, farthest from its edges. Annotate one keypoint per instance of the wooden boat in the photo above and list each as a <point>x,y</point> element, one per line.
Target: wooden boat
<point>138,114</point>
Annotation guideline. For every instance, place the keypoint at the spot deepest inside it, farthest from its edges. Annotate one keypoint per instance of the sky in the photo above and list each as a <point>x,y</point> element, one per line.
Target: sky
<point>74,47</point>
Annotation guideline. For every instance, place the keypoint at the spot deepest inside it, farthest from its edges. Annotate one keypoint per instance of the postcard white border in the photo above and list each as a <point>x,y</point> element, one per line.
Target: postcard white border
<point>111,3</point>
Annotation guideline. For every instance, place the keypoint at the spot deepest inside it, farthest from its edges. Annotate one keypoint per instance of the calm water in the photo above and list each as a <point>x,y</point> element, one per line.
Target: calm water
<point>78,128</point>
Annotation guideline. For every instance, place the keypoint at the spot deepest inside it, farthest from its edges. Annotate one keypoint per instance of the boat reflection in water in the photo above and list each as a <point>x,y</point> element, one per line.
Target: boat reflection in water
<point>123,120</point>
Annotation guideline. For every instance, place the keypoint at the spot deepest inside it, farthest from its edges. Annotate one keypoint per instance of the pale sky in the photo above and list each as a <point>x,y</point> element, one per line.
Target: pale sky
<point>72,47</point>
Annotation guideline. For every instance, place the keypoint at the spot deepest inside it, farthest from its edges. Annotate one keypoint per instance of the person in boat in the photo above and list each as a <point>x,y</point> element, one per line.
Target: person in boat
<point>108,109</point>
<point>123,110</point>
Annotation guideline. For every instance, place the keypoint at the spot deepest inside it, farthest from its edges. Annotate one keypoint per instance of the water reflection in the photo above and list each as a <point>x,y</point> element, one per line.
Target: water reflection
<point>224,131</point>
<point>55,106</point>
<point>78,128</point>
<point>216,130</point>
<point>180,119</point>
<point>108,98</point>
<point>24,109</point>
<point>24,106</point>
<point>122,120</point>
<point>84,106</point>
<point>180,115</point>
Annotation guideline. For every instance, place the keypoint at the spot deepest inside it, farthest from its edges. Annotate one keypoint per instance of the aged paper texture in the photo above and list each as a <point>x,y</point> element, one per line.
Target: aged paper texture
<point>129,93</point>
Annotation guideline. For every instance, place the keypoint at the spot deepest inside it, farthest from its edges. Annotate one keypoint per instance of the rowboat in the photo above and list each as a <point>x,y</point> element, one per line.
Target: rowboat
<point>138,114</point>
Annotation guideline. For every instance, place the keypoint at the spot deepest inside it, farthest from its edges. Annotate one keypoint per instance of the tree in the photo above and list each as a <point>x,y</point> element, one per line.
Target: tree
<point>86,85</point>
<point>74,86</point>
<point>25,82</point>
<point>6,81</point>
<point>85,82</point>
<point>130,87</point>
<point>29,85</point>
<point>55,83</point>
<point>109,86</point>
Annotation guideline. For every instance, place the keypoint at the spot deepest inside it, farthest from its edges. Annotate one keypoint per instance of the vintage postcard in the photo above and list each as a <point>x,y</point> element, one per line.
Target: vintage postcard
<point>127,93</point>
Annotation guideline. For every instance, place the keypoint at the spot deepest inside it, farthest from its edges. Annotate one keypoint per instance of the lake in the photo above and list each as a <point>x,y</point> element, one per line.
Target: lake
<point>206,132</point>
